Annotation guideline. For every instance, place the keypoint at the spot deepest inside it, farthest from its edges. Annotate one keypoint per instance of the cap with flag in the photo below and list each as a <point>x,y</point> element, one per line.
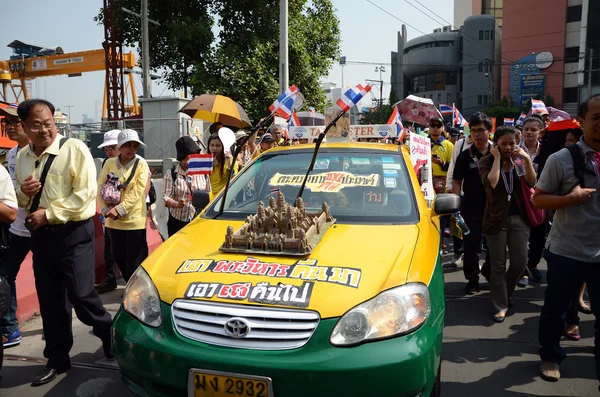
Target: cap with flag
<point>446,109</point>
<point>396,119</point>
<point>521,118</point>
<point>284,105</point>
<point>538,107</point>
<point>293,121</point>
<point>352,97</point>
<point>458,119</point>
<point>509,121</point>
<point>200,164</point>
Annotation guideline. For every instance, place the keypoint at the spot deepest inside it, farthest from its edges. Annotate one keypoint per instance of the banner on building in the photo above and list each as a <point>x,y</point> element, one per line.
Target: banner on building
<point>349,132</point>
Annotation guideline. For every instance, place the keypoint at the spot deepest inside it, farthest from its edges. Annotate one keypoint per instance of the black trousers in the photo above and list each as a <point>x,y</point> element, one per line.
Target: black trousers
<point>129,248</point>
<point>537,242</point>
<point>110,266</point>
<point>472,247</point>
<point>63,265</point>
<point>174,225</point>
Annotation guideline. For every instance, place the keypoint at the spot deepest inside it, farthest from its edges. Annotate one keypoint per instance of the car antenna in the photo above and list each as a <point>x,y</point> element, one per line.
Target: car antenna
<point>238,149</point>
<point>317,146</point>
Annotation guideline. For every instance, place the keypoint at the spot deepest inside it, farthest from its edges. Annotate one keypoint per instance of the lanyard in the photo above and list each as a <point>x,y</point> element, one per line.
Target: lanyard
<point>509,187</point>
<point>474,156</point>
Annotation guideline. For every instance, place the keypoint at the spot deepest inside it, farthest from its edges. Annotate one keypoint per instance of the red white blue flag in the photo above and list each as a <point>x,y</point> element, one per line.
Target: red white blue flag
<point>284,105</point>
<point>522,118</point>
<point>294,121</point>
<point>311,110</point>
<point>446,109</point>
<point>538,106</point>
<point>200,164</point>
<point>458,119</point>
<point>352,97</point>
<point>396,119</point>
<point>509,121</point>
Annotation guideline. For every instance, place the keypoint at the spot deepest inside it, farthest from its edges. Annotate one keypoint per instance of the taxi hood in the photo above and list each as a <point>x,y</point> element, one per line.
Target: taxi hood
<point>351,264</point>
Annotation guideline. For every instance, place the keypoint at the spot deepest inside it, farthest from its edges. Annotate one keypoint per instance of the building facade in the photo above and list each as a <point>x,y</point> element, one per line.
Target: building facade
<point>466,8</point>
<point>451,66</point>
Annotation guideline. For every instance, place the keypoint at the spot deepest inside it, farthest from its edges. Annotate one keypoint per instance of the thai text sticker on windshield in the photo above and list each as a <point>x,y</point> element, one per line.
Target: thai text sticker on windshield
<point>326,182</point>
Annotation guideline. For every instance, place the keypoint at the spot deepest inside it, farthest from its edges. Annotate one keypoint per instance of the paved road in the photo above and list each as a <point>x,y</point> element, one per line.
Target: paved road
<point>480,358</point>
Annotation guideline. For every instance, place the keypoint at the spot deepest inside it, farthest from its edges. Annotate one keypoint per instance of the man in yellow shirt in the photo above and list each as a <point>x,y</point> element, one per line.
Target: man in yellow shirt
<point>265,143</point>
<point>441,153</point>
<point>56,184</point>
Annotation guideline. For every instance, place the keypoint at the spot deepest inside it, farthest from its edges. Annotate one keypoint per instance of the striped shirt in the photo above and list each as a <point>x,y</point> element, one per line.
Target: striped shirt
<point>182,190</point>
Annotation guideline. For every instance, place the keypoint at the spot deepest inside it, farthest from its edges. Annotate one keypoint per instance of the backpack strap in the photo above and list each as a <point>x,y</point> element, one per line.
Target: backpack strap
<point>578,163</point>
<point>36,199</point>
<point>130,177</point>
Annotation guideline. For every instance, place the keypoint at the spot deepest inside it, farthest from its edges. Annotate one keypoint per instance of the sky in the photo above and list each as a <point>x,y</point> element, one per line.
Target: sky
<point>368,35</point>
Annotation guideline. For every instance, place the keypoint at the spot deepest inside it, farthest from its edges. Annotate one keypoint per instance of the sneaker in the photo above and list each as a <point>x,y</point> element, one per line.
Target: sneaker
<point>523,282</point>
<point>105,287</point>
<point>536,274</point>
<point>549,371</point>
<point>13,339</point>
<point>456,261</point>
<point>472,288</point>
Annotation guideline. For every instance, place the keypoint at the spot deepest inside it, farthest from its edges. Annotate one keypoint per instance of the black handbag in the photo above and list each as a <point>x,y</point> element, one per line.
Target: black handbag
<point>4,295</point>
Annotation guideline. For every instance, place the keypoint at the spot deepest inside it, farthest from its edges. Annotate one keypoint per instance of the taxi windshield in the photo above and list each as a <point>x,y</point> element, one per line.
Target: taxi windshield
<point>360,186</point>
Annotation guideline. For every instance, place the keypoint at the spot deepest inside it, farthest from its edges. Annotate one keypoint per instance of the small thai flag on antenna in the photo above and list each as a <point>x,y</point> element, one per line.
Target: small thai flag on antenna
<point>352,97</point>
<point>509,121</point>
<point>522,118</point>
<point>200,164</point>
<point>274,190</point>
<point>458,119</point>
<point>294,121</point>
<point>312,112</point>
<point>284,105</point>
<point>538,106</point>
<point>396,119</point>
<point>446,109</point>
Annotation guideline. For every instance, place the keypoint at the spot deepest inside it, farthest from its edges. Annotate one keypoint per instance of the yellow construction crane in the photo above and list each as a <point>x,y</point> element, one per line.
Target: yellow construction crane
<point>59,63</point>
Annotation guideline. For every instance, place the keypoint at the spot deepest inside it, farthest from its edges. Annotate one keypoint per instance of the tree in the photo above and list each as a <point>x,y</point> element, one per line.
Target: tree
<point>377,115</point>
<point>244,63</point>
<point>501,110</point>
<point>179,44</point>
<point>393,98</point>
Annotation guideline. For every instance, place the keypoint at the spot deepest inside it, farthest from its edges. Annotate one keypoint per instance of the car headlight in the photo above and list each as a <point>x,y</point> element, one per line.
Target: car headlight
<point>394,312</point>
<point>142,300</point>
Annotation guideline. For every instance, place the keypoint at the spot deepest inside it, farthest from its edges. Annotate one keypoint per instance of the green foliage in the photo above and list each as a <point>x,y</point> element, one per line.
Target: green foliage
<point>179,44</point>
<point>393,97</point>
<point>501,110</point>
<point>549,101</point>
<point>244,63</point>
<point>377,115</point>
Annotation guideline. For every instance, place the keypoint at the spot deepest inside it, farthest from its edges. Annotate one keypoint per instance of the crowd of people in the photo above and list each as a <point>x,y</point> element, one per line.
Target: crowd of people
<point>50,194</point>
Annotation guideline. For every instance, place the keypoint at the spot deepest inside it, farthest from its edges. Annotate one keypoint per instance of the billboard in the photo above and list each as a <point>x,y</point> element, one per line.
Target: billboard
<point>532,86</point>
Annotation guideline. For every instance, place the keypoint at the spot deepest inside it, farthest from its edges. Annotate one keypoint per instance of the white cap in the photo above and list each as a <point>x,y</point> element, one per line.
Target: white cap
<point>111,138</point>
<point>129,135</point>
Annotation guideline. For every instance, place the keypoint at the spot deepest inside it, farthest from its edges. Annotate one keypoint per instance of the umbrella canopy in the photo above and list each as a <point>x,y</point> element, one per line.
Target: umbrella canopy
<point>307,119</point>
<point>555,114</point>
<point>217,108</point>
<point>417,110</point>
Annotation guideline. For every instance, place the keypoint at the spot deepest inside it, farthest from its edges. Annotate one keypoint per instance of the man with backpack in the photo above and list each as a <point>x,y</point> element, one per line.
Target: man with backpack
<point>569,184</point>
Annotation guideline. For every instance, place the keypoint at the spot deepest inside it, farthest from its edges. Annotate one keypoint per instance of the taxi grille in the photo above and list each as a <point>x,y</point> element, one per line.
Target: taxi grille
<point>267,328</point>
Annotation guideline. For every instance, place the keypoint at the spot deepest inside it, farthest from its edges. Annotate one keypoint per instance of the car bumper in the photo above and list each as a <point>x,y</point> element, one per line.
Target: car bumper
<point>156,361</point>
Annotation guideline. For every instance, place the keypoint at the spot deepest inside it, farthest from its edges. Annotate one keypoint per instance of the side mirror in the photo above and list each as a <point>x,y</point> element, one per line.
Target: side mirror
<point>446,204</point>
<point>200,200</point>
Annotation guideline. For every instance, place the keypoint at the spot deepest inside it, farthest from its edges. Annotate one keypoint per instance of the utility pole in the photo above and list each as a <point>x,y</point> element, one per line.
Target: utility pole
<point>380,69</point>
<point>283,46</point>
<point>590,70</point>
<point>146,51</point>
<point>69,112</point>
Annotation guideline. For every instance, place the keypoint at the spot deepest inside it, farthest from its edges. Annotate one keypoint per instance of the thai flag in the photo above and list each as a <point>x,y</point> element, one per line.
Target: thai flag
<point>352,97</point>
<point>446,109</point>
<point>522,118</point>
<point>509,122</point>
<point>284,105</point>
<point>538,106</point>
<point>294,121</point>
<point>200,164</point>
<point>312,112</point>
<point>458,119</point>
<point>274,190</point>
<point>396,119</point>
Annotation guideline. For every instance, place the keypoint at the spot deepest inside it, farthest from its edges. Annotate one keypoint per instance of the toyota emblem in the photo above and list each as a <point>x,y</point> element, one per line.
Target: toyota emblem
<point>237,328</point>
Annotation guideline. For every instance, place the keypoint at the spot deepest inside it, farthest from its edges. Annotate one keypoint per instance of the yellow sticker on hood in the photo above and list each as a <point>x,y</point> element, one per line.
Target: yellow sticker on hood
<point>326,182</point>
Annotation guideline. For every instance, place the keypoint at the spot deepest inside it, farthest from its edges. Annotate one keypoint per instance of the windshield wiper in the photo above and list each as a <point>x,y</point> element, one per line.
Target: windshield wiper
<point>317,146</point>
<point>238,149</point>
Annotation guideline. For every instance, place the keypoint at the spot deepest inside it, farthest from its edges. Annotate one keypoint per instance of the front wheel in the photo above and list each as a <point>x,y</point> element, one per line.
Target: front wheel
<point>437,387</point>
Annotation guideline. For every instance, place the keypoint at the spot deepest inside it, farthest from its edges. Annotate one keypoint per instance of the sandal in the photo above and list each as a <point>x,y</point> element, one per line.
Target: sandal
<point>584,309</point>
<point>572,336</point>
<point>499,318</point>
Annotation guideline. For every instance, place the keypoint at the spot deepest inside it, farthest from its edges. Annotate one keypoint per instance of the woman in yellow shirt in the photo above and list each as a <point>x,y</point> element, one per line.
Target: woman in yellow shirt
<point>222,162</point>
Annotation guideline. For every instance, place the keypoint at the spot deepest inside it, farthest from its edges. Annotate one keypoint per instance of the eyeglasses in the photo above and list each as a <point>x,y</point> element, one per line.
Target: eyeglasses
<point>436,126</point>
<point>11,123</point>
<point>40,127</point>
<point>478,130</point>
<point>109,148</point>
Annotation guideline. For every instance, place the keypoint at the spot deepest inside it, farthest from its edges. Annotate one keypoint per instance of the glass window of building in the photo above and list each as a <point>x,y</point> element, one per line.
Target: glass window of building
<point>479,100</point>
<point>574,13</point>
<point>487,34</point>
<point>481,35</point>
<point>493,8</point>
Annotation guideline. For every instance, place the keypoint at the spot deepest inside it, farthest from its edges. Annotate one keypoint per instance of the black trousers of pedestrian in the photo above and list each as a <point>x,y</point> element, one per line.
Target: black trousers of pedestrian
<point>110,266</point>
<point>537,242</point>
<point>63,265</point>
<point>129,248</point>
<point>565,276</point>
<point>174,225</point>
<point>472,247</point>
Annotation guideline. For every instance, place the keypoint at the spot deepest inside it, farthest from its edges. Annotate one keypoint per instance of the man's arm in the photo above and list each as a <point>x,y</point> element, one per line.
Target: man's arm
<point>450,174</point>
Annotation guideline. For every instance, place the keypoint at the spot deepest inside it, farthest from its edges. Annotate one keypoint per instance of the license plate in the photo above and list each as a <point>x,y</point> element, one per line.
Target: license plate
<point>205,383</point>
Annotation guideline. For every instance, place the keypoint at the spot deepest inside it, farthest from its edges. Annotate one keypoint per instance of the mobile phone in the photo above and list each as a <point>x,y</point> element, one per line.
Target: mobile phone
<point>435,156</point>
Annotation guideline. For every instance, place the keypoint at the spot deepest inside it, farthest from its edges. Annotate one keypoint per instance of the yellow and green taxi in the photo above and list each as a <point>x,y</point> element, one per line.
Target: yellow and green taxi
<point>358,313</point>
